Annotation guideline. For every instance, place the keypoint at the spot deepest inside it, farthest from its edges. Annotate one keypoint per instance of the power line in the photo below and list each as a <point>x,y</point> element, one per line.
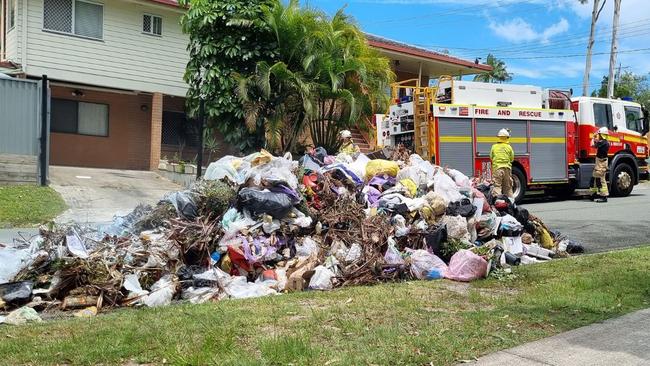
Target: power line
<point>576,55</point>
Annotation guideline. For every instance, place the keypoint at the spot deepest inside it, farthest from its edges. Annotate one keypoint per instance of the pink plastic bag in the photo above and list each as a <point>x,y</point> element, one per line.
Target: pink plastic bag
<point>466,266</point>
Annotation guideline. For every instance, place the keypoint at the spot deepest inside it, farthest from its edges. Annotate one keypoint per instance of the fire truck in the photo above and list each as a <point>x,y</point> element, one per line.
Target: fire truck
<point>455,124</point>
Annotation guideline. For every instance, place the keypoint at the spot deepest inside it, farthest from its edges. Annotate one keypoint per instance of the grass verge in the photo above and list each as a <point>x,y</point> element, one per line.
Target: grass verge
<point>438,322</point>
<point>22,206</point>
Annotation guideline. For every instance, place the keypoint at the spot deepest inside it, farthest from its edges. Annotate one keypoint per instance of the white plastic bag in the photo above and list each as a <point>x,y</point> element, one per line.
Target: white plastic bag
<point>230,167</point>
<point>393,255</point>
<point>322,279</point>
<point>459,178</point>
<point>76,245</point>
<point>358,166</point>
<point>456,227</point>
<point>422,262</point>
<point>309,247</point>
<point>162,292</point>
<point>446,187</point>
<point>354,253</point>
<point>239,288</point>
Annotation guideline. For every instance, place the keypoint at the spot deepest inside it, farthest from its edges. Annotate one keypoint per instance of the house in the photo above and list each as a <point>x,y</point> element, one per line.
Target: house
<point>116,69</point>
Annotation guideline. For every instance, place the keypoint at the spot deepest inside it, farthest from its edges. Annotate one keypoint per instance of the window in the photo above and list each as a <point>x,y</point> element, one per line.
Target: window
<point>633,119</point>
<point>69,116</point>
<point>177,130</point>
<point>77,17</point>
<point>11,14</point>
<point>152,24</point>
<point>603,115</point>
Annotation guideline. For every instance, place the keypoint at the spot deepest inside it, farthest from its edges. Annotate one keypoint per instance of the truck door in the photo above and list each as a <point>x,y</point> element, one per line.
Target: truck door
<point>603,115</point>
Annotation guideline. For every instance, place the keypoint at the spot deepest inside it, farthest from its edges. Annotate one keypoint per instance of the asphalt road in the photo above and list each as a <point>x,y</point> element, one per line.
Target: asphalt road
<point>619,223</point>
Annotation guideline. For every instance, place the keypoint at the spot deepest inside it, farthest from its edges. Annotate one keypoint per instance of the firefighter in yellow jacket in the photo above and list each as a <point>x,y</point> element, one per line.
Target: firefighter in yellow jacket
<point>502,157</point>
<point>348,146</point>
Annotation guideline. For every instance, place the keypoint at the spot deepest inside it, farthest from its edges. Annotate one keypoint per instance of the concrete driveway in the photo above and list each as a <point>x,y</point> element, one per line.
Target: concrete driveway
<point>94,196</point>
<point>620,223</point>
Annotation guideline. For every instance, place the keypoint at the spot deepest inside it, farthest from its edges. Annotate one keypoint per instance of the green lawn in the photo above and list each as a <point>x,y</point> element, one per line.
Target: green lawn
<point>415,323</point>
<point>22,206</point>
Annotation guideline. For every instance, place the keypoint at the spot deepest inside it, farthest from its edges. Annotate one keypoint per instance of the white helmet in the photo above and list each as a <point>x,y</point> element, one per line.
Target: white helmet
<point>503,133</point>
<point>603,131</point>
<point>345,134</point>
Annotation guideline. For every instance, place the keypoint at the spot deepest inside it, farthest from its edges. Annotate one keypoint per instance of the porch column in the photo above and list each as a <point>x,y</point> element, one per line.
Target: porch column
<point>156,130</point>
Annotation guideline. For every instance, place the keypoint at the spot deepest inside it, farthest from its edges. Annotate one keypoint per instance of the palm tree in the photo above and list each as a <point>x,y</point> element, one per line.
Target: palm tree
<point>498,74</point>
<point>326,78</point>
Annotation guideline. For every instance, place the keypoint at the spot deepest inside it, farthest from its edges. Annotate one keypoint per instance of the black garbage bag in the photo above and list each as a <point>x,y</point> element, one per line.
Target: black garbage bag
<point>184,203</point>
<point>16,293</point>
<point>435,239</point>
<point>522,215</point>
<point>463,208</point>
<point>276,204</point>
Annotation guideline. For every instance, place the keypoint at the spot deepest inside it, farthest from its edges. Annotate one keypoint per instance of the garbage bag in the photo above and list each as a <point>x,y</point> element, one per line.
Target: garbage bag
<point>446,187</point>
<point>16,293</point>
<point>308,163</point>
<point>184,203</point>
<point>411,187</point>
<point>434,239</point>
<point>393,255</point>
<point>466,266</point>
<point>379,166</point>
<point>358,166</point>
<point>76,245</point>
<point>12,261</point>
<point>162,292</point>
<point>322,279</point>
<point>510,226</point>
<point>464,208</point>
<point>422,262</point>
<point>459,178</point>
<point>277,171</point>
<point>257,201</point>
<point>456,227</point>
<point>240,288</point>
<point>230,167</point>
<point>341,172</point>
<point>308,248</point>
<point>545,238</point>
<point>420,171</point>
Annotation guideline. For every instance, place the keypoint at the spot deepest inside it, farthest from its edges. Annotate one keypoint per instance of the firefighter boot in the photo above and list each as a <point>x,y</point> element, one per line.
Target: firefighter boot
<point>601,200</point>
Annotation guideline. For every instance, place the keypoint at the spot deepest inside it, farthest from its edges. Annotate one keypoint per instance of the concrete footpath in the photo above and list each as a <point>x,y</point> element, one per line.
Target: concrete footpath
<point>622,341</point>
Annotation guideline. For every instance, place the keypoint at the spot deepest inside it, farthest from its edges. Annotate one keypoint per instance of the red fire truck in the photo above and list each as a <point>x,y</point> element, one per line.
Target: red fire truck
<point>455,124</point>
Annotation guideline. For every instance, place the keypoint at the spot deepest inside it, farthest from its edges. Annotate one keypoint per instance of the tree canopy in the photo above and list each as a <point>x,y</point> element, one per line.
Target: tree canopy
<point>316,73</point>
<point>498,74</point>
<point>227,38</point>
<point>628,85</point>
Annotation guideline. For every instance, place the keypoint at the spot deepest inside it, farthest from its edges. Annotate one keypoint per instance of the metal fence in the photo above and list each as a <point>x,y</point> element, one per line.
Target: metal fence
<point>23,154</point>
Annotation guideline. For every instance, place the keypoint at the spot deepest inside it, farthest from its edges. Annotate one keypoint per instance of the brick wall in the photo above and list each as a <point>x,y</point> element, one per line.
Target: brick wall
<point>127,145</point>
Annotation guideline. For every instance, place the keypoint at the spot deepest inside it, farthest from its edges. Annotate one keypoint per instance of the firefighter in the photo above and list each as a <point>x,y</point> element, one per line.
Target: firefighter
<point>502,157</point>
<point>348,146</point>
<point>598,183</point>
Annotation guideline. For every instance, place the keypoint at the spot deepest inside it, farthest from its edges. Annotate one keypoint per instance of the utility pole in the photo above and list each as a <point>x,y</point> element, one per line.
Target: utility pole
<point>594,18</point>
<point>612,54</point>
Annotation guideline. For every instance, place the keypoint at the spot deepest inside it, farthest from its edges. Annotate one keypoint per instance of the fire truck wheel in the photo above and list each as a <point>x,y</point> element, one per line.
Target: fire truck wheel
<point>518,184</point>
<point>622,180</point>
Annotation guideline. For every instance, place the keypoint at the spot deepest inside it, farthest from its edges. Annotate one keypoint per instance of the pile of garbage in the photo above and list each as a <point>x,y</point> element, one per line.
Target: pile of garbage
<point>263,225</point>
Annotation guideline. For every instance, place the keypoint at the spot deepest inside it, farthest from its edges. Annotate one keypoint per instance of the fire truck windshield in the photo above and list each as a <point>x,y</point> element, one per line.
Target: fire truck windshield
<point>633,119</point>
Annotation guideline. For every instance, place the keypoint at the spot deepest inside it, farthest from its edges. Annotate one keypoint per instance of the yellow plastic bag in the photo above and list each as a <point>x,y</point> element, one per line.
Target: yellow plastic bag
<point>546,239</point>
<point>379,166</point>
<point>410,185</point>
<point>264,157</point>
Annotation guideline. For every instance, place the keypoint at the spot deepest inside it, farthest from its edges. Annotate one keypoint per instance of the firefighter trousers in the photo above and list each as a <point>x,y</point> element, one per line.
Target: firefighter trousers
<point>502,180</point>
<point>598,182</point>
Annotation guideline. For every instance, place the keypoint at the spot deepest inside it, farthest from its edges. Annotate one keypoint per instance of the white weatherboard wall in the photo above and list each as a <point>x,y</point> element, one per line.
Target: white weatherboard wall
<point>125,59</point>
<point>13,39</point>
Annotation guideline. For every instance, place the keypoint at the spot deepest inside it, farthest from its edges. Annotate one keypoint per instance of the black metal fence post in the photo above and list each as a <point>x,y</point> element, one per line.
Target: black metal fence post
<point>199,159</point>
<point>44,131</point>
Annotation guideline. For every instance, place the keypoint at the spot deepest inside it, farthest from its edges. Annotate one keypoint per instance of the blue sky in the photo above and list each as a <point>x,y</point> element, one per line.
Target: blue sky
<point>543,42</point>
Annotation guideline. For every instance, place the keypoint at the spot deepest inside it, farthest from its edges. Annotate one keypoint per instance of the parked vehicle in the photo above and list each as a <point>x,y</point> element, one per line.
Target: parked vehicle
<point>455,124</point>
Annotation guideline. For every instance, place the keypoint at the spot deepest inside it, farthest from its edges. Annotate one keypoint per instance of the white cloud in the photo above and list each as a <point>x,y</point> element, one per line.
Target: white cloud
<point>518,30</point>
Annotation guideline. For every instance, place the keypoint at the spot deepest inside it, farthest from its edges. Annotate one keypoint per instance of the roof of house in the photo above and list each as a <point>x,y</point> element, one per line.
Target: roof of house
<point>395,46</point>
<point>166,2</point>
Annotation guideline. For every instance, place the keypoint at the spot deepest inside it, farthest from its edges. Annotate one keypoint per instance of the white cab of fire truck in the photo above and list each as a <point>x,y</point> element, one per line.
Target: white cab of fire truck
<point>628,125</point>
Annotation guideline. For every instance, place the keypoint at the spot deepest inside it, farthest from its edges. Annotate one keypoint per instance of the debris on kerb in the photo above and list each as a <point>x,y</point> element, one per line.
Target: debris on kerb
<point>263,225</point>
